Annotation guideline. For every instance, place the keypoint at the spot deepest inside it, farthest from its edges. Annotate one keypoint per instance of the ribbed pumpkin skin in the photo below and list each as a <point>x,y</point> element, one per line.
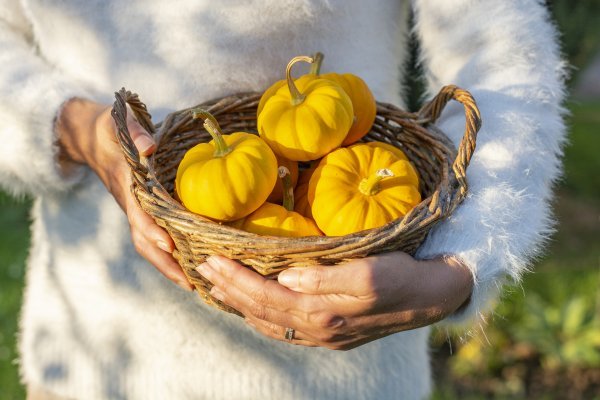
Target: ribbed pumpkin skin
<point>308,130</point>
<point>271,90</point>
<point>301,204</point>
<point>340,208</point>
<point>363,104</point>
<point>274,220</point>
<point>397,152</point>
<point>229,187</point>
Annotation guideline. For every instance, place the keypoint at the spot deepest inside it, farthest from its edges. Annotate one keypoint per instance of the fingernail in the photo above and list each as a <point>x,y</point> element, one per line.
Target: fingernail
<point>144,144</point>
<point>204,269</point>
<point>163,246</point>
<point>217,294</point>
<point>216,263</point>
<point>289,278</point>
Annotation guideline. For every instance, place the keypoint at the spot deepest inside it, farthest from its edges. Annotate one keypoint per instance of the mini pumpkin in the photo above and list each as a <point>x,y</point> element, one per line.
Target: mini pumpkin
<point>307,121</point>
<point>276,220</point>
<point>301,203</point>
<point>363,102</point>
<point>361,187</point>
<point>228,177</point>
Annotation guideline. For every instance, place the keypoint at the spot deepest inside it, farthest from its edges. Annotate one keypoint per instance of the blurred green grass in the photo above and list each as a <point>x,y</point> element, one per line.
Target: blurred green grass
<point>14,240</point>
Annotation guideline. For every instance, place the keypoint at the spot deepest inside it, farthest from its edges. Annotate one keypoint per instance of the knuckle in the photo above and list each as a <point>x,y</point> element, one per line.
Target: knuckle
<point>314,278</point>
<point>259,296</point>
<point>329,321</point>
<point>258,311</point>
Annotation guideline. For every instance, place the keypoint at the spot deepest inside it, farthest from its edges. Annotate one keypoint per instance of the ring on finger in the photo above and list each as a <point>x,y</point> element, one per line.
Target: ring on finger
<point>289,333</point>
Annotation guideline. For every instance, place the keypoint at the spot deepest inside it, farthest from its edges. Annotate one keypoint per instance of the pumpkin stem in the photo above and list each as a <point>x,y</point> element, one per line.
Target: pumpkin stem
<point>297,97</point>
<point>212,127</point>
<point>370,186</point>
<point>288,189</point>
<point>315,68</point>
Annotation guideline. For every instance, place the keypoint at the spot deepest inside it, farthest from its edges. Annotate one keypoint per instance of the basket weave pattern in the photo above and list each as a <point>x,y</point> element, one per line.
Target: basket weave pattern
<point>442,171</point>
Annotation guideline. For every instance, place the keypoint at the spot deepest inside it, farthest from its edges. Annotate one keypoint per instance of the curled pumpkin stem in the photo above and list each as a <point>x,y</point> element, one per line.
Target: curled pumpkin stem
<point>297,97</point>
<point>370,186</point>
<point>212,127</point>
<point>288,189</point>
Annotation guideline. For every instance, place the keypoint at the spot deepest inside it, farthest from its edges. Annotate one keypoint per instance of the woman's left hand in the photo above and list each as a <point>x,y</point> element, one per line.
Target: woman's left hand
<point>343,306</point>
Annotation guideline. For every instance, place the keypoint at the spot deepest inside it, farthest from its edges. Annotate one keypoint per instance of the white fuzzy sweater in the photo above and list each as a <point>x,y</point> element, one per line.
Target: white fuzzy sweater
<point>99,323</point>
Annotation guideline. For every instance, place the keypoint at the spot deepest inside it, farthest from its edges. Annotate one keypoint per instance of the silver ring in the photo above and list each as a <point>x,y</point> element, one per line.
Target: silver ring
<point>289,333</point>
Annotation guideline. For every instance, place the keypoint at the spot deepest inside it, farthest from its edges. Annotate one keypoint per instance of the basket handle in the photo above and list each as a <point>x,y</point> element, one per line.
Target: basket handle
<point>431,112</point>
<point>119,113</point>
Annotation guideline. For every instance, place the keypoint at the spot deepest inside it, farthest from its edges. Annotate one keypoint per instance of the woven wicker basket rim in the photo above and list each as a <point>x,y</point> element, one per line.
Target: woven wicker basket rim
<point>144,172</point>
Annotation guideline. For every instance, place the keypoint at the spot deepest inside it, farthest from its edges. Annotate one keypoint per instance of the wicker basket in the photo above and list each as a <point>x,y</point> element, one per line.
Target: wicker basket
<point>442,171</point>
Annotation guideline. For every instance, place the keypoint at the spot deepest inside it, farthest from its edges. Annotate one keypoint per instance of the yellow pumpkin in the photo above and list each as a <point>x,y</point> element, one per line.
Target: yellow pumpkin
<point>399,153</point>
<point>305,122</point>
<point>228,177</point>
<point>277,194</point>
<point>275,220</point>
<point>363,102</point>
<point>301,203</point>
<point>361,187</point>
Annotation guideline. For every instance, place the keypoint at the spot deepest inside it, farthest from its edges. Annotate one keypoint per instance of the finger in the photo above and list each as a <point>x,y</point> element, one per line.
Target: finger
<point>154,244</point>
<point>351,278</point>
<point>162,261</point>
<point>143,141</point>
<point>145,224</point>
<point>252,294</point>
<point>248,306</point>
<point>229,273</point>
<point>277,332</point>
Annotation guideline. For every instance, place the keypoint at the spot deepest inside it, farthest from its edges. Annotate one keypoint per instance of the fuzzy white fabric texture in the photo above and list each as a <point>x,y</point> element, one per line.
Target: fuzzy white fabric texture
<point>99,323</point>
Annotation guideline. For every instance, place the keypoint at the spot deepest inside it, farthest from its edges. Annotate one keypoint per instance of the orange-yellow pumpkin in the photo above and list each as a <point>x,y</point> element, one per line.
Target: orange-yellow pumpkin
<point>361,187</point>
<point>305,122</point>
<point>228,177</point>
<point>276,220</point>
<point>301,203</point>
<point>363,102</point>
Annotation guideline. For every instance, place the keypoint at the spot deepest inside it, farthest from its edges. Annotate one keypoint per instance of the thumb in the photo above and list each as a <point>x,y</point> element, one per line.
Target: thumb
<point>143,141</point>
<point>351,278</point>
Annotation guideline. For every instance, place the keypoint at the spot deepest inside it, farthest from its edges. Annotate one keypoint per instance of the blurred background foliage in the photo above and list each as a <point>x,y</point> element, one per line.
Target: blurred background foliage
<point>543,341</point>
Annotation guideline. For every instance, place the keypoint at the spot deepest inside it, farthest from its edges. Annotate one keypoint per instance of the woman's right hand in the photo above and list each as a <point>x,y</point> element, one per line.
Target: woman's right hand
<point>87,135</point>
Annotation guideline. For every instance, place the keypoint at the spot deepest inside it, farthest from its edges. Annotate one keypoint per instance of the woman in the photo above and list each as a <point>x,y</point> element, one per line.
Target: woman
<point>99,322</point>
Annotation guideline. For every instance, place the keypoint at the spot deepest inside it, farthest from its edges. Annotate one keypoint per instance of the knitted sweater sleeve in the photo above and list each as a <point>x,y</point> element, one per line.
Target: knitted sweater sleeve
<point>507,55</point>
<point>31,93</point>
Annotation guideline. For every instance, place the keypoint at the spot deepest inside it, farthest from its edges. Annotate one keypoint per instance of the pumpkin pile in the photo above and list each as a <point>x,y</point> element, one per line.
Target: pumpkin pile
<point>305,173</point>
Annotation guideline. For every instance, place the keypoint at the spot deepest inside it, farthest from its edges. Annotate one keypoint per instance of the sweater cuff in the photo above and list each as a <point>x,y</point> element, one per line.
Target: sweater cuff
<point>33,149</point>
<point>490,259</point>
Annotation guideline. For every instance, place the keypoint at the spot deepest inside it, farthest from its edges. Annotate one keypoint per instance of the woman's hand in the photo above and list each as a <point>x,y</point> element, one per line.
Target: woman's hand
<point>87,135</point>
<point>344,306</point>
